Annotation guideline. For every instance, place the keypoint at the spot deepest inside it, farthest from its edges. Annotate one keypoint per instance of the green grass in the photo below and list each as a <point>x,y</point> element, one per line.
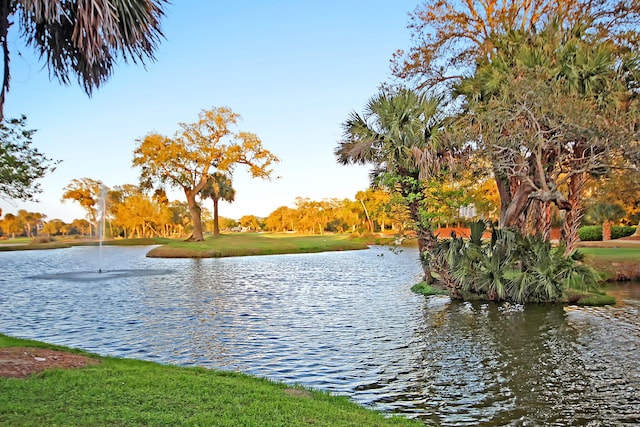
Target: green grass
<point>614,263</point>
<point>613,254</point>
<point>123,392</point>
<point>241,244</point>
<point>16,241</point>
<point>35,246</point>
<point>424,289</point>
<point>146,241</point>
<point>597,300</point>
<point>25,244</point>
<point>226,245</point>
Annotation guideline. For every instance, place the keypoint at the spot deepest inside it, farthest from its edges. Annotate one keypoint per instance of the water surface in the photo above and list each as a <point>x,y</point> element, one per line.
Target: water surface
<point>345,322</point>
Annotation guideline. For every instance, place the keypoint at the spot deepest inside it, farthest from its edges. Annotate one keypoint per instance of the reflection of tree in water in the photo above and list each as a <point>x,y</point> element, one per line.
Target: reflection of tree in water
<point>486,364</point>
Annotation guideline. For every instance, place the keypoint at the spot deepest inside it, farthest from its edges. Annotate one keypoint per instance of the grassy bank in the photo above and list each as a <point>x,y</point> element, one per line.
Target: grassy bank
<point>8,247</point>
<point>122,392</point>
<point>26,244</point>
<point>615,263</point>
<point>241,244</point>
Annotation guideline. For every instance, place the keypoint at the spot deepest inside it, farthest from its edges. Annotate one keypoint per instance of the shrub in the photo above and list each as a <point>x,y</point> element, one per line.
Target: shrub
<point>590,233</point>
<point>427,290</point>
<point>510,267</point>
<point>42,239</point>
<point>622,231</point>
<point>597,300</point>
<point>368,235</point>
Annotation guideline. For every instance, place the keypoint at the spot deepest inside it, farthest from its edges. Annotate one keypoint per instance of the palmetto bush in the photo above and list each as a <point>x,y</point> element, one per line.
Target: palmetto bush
<point>510,267</point>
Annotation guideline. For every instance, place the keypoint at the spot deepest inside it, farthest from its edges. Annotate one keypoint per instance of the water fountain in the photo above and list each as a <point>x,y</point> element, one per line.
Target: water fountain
<point>102,209</point>
<point>102,273</point>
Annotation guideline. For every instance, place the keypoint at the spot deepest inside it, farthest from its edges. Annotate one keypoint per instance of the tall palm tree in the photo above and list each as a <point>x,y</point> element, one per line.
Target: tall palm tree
<point>219,186</point>
<point>399,134</point>
<point>607,213</point>
<point>85,38</point>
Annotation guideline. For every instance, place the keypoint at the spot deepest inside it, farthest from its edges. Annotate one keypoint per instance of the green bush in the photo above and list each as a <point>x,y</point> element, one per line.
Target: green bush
<point>38,240</point>
<point>594,232</point>
<point>510,267</point>
<point>622,231</point>
<point>427,290</point>
<point>590,233</point>
<point>597,300</point>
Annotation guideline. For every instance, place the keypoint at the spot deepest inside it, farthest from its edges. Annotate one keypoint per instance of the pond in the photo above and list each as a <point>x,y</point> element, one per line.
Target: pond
<point>345,322</point>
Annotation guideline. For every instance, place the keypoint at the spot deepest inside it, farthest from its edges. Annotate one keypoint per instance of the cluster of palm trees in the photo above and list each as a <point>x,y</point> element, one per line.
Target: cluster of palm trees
<point>544,111</point>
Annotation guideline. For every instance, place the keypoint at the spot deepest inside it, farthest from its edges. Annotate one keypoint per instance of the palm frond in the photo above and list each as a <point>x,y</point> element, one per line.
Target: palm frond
<point>87,38</point>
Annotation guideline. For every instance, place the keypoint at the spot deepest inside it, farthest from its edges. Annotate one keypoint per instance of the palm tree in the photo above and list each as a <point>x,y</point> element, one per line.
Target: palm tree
<point>218,187</point>
<point>399,134</point>
<point>85,38</point>
<point>606,213</point>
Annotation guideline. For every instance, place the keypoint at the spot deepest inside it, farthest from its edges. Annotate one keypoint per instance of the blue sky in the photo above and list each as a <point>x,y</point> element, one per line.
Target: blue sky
<point>292,69</point>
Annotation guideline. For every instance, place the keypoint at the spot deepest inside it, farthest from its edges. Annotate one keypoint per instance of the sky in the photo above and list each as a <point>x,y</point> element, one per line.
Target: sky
<point>292,69</point>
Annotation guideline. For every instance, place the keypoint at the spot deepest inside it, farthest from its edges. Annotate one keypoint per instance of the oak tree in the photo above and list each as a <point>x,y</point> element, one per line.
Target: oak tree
<point>87,193</point>
<point>550,109</point>
<point>188,159</point>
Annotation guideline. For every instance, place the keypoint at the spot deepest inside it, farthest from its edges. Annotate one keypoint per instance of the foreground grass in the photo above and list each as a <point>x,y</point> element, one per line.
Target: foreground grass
<point>241,244</point>
<point>122,392</point>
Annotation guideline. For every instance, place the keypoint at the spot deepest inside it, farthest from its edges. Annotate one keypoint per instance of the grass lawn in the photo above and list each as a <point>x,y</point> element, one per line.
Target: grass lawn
<point>16,241</point>
<point>124,392</point>
<point>613,254</point>
<point>226,245</point>
<point>616,263</point>
<point>240,244</point>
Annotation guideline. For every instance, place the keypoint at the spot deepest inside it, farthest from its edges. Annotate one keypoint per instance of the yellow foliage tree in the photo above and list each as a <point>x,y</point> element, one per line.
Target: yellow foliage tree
<point>188,160</point>
<point>140,216</point>
<point>86,192</point>
<point>452,36</point>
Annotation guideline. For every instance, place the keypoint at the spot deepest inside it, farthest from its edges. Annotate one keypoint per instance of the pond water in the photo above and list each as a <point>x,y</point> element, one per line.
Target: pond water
<point>346,322</point>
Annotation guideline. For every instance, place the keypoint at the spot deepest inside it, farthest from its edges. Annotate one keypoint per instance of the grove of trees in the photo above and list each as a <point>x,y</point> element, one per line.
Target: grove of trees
<point>540,96</point>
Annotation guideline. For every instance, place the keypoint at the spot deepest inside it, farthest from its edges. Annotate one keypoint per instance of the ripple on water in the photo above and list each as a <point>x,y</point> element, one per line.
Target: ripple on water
<point>344,322</point>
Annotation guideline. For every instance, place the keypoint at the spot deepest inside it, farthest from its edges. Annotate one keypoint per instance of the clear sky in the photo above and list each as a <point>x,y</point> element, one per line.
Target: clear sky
<point>293,69</point>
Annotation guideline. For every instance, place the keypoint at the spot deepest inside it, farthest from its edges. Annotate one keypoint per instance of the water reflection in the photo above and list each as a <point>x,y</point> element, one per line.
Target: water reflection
<point>345,322</point>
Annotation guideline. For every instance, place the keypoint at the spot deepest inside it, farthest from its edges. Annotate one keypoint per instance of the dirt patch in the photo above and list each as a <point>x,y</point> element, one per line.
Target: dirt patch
<point>296,392</point>
<point>20,362</point>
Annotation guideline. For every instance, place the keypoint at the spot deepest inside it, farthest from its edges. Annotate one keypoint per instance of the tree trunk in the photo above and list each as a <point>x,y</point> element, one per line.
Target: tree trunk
<point>541,223</point>
<point>5,10</point>
<point>216,226</point>
<point>426,240</point>
<point>637,233</point>
<point>366,212</point>
<point>606,230</point>
<point>503,192</point>
<point>573,216</point>
<point>196,217</point>
<point>511,217</point>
